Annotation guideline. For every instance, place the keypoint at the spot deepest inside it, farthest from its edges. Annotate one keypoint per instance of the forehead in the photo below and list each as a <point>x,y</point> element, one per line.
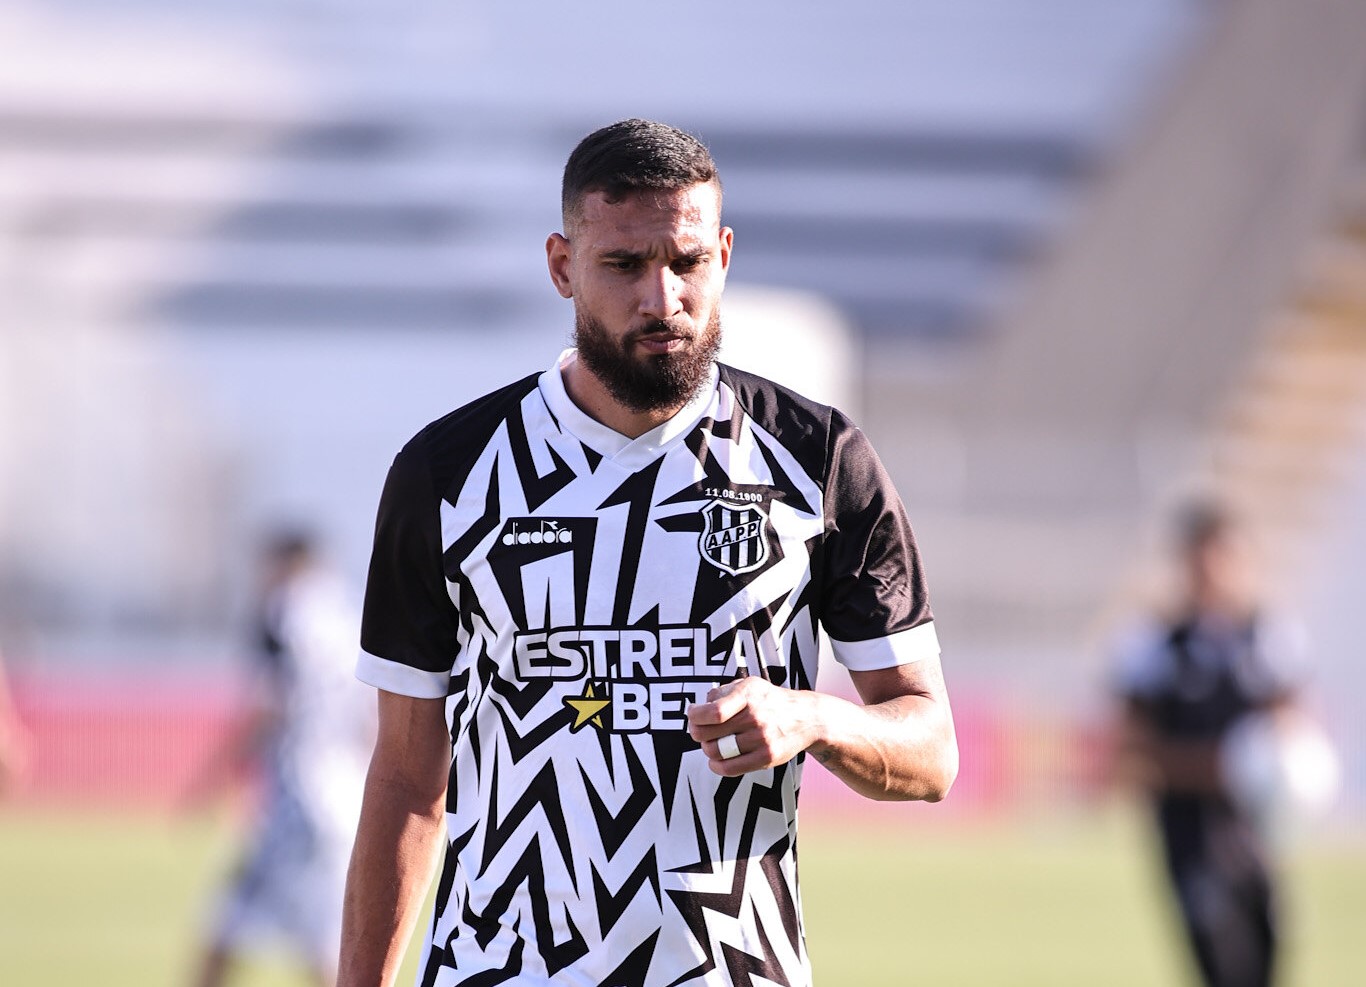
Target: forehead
<point>689,214</point>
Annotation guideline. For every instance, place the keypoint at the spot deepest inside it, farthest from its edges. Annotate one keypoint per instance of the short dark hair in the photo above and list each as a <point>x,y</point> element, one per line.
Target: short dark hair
<point>1203,521</point>
<point>634,156</point>
<point>289,545</point>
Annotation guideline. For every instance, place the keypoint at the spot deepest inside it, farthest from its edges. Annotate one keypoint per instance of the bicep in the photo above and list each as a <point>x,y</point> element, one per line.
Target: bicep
<point>412,747</point>
<point>924,678</point>
<point>910,725</point>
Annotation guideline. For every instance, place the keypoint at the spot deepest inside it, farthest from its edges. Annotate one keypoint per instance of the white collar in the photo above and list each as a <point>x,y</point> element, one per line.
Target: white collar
<point>633,454</point>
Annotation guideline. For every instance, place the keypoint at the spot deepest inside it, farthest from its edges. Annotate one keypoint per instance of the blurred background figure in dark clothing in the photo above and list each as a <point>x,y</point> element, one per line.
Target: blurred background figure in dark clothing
<point>1215,731</point>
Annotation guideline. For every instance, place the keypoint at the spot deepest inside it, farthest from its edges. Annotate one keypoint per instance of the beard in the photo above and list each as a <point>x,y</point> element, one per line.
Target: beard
<point>657,382</point>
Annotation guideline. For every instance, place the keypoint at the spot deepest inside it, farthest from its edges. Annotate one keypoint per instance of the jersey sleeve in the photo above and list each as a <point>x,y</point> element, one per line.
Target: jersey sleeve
<point>1282,646</point>
<point>874,602</point>
<point>409,625</point>
<point>1137,666</point>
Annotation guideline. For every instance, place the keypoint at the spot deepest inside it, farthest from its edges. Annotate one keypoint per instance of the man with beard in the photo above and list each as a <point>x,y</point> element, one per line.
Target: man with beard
<point>593,614</point>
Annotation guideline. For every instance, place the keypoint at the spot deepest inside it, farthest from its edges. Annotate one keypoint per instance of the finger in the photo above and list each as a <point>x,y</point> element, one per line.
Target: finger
<point>737,766</point>
<point>732,767</point>
<point>714,731</point>
<point>731,698</point>
<point>700,713</point>
<point>724,688</point>
<point>749,742</point>
<point>722,703</point>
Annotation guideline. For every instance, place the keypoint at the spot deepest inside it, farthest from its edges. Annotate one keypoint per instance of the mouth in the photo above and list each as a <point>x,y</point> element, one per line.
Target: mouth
<point>656,345</point>
<point>661,342</point>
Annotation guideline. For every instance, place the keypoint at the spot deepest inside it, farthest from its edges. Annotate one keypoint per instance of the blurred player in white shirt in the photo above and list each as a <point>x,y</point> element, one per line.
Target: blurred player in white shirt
<point>314,728</point>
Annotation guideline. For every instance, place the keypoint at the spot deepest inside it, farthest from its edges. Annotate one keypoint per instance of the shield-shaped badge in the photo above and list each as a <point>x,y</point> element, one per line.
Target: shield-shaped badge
<point>734,536</point>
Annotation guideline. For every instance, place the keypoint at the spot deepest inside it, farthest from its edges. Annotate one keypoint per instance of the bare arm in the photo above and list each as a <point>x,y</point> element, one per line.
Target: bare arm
<point>899,745</point>
<point>401,827</point>
<point>1166,764</point>
<point>1141,755</point>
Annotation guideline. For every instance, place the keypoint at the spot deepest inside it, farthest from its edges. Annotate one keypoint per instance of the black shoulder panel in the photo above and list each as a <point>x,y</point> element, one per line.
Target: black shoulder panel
<point>801,425</point>
<point>452,443</point>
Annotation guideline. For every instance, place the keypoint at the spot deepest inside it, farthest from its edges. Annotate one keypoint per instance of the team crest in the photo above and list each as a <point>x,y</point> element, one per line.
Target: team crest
<point>734,536</point>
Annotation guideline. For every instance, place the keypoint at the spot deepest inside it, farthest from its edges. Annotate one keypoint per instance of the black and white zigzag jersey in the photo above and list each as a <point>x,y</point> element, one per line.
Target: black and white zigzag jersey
<point>570,591</point>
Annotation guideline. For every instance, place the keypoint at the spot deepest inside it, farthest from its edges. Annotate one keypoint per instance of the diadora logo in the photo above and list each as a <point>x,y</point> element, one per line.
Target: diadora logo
<point>539,531</point>
<point>734,536</point>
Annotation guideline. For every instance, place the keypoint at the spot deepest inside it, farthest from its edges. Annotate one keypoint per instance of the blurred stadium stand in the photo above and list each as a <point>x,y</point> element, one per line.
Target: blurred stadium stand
<point>1090,248</point>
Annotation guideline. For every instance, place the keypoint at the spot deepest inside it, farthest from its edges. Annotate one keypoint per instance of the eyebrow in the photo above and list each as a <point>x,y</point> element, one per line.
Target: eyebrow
<point>638,255</point>
<point>632,255</point>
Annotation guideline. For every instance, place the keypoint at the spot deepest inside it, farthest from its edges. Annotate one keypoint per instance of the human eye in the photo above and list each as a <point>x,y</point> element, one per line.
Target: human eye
<point>688,263</point>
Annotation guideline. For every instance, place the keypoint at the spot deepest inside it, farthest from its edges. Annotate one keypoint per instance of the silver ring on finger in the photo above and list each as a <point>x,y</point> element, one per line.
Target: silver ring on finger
<point>729,745</point>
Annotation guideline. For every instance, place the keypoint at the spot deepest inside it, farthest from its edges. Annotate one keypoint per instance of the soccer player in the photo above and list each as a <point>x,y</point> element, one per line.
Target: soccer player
<point>592,615</point>
<point>1188,680</point>
<point>313,727</point>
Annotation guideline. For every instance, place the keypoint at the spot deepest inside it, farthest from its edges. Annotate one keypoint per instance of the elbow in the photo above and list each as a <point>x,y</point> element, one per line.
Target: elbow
<point>943,773</point>
<point>938,789</point>
<point>930,781</point>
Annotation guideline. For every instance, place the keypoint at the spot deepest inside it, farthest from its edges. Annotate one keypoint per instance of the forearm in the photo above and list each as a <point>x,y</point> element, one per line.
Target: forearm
<point>899,745</point>
<point>897,750</point>
<point>397,838</point>
<point>1186,767</point>
<point>1165,764</point>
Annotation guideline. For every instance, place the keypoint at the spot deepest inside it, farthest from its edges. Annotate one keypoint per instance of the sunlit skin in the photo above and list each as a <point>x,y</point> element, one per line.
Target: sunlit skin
<point>1218,572</point>
<point>648,257</point>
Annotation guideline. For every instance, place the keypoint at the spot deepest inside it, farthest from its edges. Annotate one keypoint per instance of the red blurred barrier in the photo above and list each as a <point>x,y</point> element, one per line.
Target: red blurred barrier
<point>120,742</point>
<point>144,742</point>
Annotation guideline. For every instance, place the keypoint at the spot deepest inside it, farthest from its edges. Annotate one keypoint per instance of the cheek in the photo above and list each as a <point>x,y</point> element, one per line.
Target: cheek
<point>589,297</point>
<point>609,291</point>
<point>705,295</point>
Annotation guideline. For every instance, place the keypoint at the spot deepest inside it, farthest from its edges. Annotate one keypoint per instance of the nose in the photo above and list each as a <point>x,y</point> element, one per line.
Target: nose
<point>662,295</point>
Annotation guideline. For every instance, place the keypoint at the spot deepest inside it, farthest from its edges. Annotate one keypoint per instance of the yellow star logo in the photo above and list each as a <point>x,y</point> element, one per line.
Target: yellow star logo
<point>587,708</point>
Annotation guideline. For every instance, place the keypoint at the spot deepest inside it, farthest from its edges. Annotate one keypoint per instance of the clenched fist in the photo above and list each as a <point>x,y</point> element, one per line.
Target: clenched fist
<point>750,724</point>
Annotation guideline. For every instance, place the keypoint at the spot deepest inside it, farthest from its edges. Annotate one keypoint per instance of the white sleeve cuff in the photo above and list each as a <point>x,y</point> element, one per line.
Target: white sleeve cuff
<point>900,648</point>
<point>393,676</point>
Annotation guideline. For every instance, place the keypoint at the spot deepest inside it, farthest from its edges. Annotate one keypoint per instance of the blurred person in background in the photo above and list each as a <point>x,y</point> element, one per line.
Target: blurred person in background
<point>311,729</point>
<point>13,737</point>
<point>1205,688</point>
<point>592,613</point>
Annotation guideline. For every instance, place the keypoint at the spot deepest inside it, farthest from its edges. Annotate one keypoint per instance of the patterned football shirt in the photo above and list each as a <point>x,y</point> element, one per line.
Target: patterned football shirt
<point>569,591</point>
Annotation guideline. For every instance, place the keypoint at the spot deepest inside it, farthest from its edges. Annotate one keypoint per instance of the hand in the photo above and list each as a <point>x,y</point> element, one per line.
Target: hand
<point>772,725</point>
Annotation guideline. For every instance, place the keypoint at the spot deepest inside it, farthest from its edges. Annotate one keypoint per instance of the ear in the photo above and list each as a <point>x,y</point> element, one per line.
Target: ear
<point>727,241</point>
<point>557,257</point>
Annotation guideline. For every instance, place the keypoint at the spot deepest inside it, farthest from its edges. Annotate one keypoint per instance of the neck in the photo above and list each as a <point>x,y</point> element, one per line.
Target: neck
<point>594,399</point>
<point>1222,604</point>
